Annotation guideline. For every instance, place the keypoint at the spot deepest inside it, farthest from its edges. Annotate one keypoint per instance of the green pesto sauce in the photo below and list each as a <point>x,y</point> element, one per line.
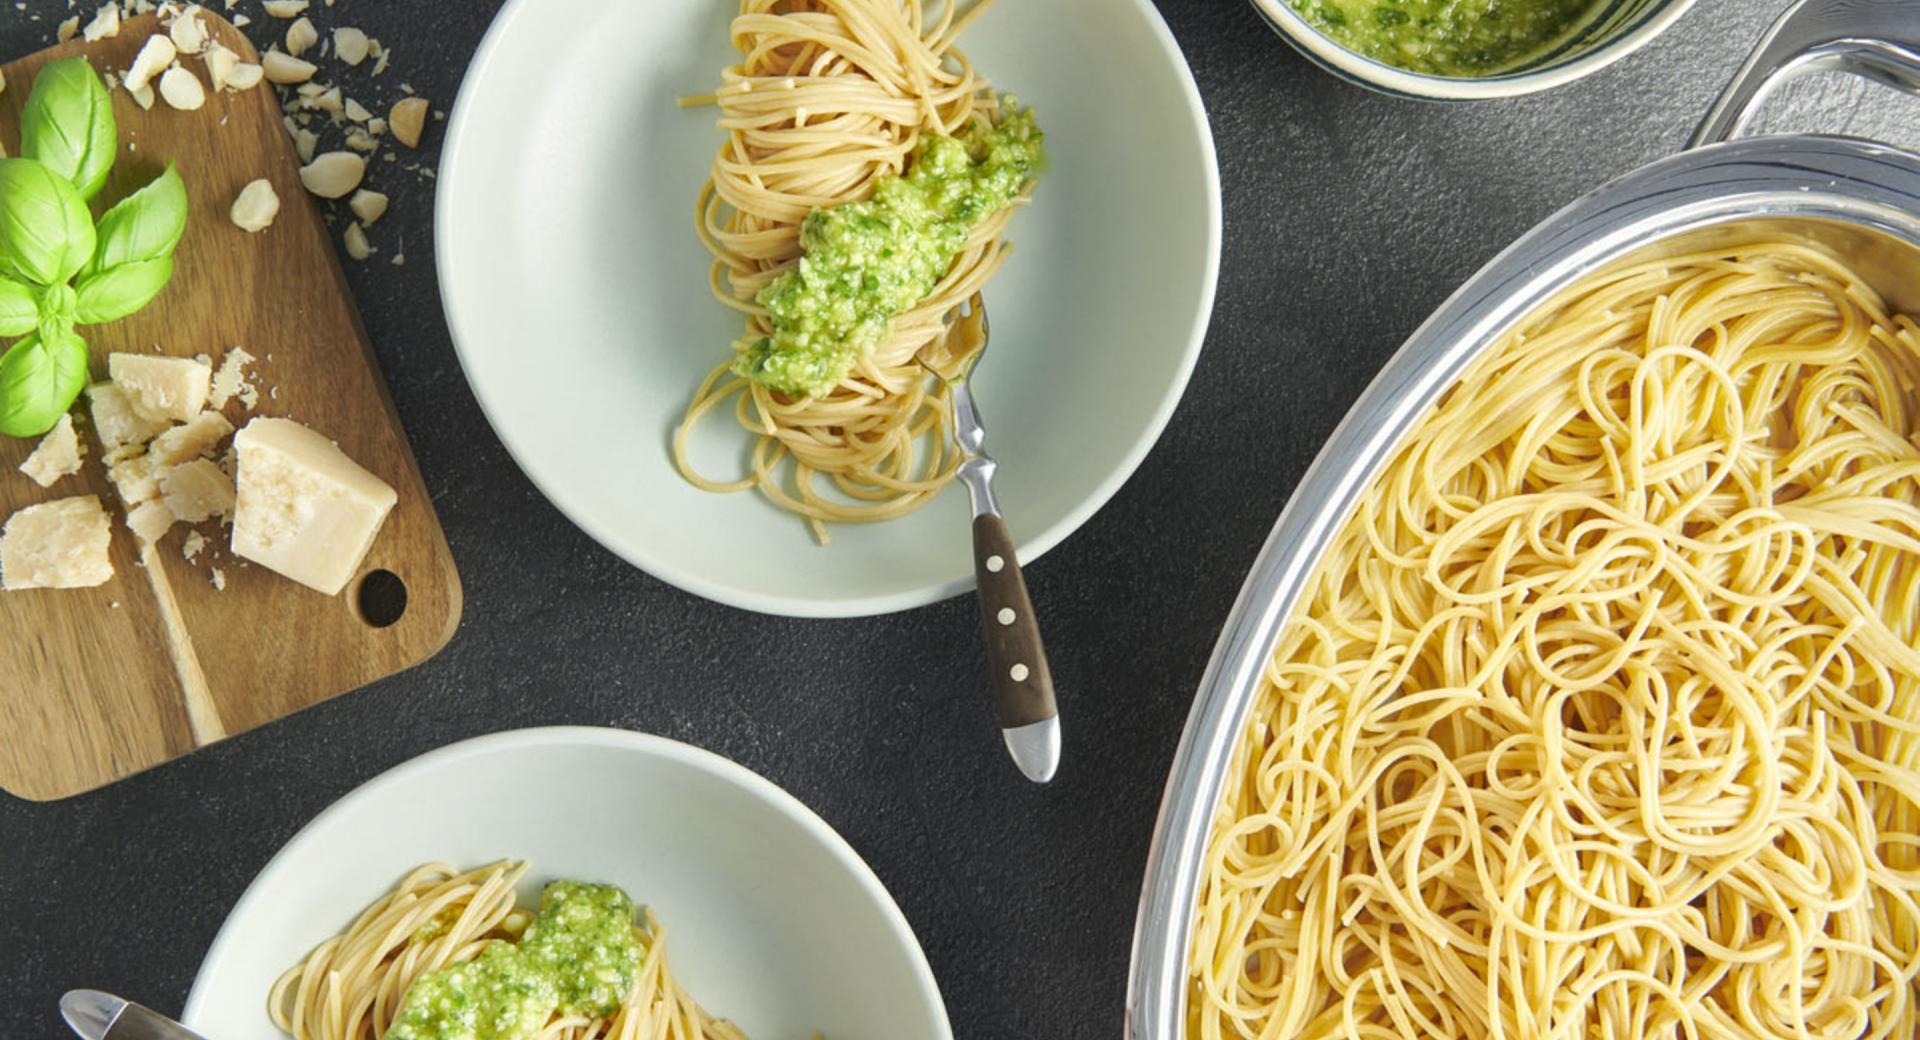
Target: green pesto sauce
<point>578,957</point>
<point>868,261</point>
<point>1445,37</point>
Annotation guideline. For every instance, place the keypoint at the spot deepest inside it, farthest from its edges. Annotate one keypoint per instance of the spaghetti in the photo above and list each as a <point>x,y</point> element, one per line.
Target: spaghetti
<point>832,97</point>
<point>1600,718</point>
<point>352,986</point>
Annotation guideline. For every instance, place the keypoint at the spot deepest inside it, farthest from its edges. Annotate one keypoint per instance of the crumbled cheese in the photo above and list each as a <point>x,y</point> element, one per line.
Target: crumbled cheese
<point>57,545</point>
<point>150,521</point>
<point>116,422</point>
<point>218,577</point>
<point>191,545</point>
<point>136,479</point>
<point>304,509</point>
<point>161,388</point>
<point>368,205</point>
<point>231,380</point>
<point>57,455</point>
<point>197,490</point>
<point>255,207</point>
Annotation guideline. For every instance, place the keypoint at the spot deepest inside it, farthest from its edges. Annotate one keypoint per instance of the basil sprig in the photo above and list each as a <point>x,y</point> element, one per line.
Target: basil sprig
<point>58,268</point>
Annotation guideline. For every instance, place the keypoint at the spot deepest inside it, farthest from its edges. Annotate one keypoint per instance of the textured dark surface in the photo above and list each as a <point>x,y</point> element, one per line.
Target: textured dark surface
<point>1348,218</point>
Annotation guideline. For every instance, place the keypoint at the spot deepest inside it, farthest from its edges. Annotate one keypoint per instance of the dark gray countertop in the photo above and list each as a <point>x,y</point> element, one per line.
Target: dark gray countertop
<point>1349,217</point>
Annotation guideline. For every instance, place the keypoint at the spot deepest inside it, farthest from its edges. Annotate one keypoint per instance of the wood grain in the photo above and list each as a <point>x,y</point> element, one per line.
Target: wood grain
<point>96,684</point>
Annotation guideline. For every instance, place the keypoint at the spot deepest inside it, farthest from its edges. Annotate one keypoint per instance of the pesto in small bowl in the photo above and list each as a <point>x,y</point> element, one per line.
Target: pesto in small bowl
<point>1464,38</point>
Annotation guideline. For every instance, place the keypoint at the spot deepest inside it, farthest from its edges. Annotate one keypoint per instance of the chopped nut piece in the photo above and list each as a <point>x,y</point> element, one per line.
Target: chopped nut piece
<point>327,100</point>
<point>255,207</point>
<point>220,64</point>
<point>245,76</point>
<point>300,36</point>
<point>368,205</point>
<point>380,62</point>
<point>154,57</point>
<point>68,29</point>
<point>285,68</point>
<point>57,545</point>
<point>240,21</point>
<point>376,126</point>
<point>356,239</point>
<point>351,45</point>
<point>189,36</point>
<point>334,174</point>
<point>304,142</point>
<point>150,521</point>
<point>361,141</point>
<point>57,455</point>
<point>142,96</point>
<point>357,112</point>
<point>285,8</point>
<point>198,490</point>
<point>182,89</point>
<point>407,119</point>
<point>105,25</point>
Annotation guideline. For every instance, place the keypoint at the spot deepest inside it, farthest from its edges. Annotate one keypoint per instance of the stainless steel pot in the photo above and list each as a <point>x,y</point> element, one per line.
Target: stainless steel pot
<point>1857,197</point>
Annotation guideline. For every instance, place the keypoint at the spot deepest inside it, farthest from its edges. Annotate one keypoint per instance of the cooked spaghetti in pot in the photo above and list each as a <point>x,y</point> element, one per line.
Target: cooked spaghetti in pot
<point>1600,717</point>
<point>839,103</point>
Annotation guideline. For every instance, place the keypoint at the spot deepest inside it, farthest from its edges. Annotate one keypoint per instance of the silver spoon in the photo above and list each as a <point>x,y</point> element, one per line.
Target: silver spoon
<point>1016,659</point>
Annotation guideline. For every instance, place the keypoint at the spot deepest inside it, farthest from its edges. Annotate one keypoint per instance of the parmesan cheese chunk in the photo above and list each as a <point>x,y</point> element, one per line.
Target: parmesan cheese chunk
<point>197,490</point>
<point>137,479</point>
<point>197,438</point>
<point>162,388</point>
<point>58,454</point>
<point>57,545</point>
<point>304,508</point>
<point>150,521</point>
<point>116,422</point>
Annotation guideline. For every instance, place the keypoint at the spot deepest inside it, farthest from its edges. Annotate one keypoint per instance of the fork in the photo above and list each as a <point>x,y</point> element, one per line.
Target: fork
<point>1016,659</point>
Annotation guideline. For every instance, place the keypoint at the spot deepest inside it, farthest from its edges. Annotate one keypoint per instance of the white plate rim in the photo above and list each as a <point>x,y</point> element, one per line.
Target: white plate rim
<point>711,763</point>
<point>662,565</point>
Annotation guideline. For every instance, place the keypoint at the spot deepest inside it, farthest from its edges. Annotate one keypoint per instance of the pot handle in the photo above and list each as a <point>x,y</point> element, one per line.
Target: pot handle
<point>1877,39</point>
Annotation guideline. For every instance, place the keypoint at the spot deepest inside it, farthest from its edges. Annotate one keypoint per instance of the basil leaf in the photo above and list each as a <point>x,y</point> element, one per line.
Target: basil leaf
<point>145,225</point>
<point>46,233</point>
<point>19,311</point>
<point>68,124</point>
<point>39,380</point>
<point>119,291</point>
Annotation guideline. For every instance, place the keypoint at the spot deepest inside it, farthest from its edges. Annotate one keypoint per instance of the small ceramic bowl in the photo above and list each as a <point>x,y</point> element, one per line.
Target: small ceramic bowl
<point>1618,29</point>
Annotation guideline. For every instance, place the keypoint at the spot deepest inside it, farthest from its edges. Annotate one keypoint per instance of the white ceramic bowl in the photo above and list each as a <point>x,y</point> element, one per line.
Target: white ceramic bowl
<point>773,921</point>
<point>1616,30</point>
<point>577,291</point>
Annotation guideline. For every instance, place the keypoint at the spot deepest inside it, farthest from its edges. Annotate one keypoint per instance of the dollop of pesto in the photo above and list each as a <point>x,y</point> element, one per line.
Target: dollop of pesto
<point>1445,37</point>
<point>868,261</point>
<point>578,957</point>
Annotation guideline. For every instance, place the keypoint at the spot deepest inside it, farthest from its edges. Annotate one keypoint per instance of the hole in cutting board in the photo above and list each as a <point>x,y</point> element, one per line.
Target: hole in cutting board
<point>382,598</point>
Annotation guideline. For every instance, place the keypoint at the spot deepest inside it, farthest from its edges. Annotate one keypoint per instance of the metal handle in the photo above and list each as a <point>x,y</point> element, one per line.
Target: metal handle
<point>1875,39</point>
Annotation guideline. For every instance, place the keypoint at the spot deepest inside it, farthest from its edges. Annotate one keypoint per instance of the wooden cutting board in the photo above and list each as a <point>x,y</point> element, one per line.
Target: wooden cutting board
<point>96,684</point>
